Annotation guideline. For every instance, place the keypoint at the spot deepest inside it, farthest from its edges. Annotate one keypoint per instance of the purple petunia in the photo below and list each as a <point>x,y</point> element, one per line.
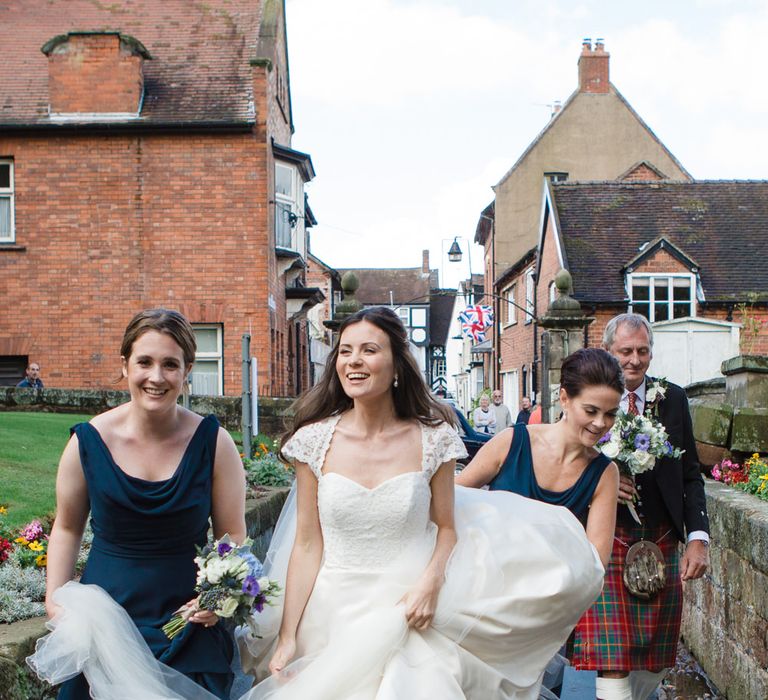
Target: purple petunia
<point>668,447</point>
<point>251,586</point>
<point>223,548</point>
<point>642,442</point>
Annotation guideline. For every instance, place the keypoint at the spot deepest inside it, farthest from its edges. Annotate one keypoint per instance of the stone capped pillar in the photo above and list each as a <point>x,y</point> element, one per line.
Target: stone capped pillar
<point>564,325</point>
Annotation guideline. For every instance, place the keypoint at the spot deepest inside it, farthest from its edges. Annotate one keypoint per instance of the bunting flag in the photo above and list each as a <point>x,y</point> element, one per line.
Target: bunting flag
<point>474,320</point>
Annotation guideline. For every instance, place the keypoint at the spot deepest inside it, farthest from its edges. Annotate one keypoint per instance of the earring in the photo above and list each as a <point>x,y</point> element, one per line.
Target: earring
<point>395,382</point>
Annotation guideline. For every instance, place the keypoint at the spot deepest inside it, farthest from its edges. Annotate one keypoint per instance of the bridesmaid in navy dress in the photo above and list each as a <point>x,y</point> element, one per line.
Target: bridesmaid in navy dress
<point>151,474</point>
<point>558,463</point>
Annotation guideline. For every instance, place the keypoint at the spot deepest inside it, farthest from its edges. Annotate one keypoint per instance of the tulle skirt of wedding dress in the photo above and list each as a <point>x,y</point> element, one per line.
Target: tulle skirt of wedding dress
<point>521,575</point>
<point>519,578</point>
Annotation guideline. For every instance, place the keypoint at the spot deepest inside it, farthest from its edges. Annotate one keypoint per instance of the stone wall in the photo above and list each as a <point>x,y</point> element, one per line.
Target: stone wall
<point>17,640</point>
<point>725,619</point>
<point>272,411</point>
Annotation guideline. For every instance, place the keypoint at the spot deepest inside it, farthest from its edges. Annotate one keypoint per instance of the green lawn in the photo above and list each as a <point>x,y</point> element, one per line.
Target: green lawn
<point>30,447</point>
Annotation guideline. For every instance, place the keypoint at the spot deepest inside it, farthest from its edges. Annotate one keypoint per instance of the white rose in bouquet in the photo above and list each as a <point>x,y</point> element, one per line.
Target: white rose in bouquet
<point>227,608</point>
<point>642,461</point>
<point>611,448</point>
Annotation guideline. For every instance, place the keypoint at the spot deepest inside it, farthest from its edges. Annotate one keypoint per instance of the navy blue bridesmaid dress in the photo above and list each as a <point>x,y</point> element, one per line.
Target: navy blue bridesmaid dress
<point>144,537</point>
<point>517,475</point>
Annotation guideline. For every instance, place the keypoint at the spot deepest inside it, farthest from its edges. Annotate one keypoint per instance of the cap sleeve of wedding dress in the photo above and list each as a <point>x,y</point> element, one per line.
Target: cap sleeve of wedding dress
<point>310,443</point>
<point>441,444</point>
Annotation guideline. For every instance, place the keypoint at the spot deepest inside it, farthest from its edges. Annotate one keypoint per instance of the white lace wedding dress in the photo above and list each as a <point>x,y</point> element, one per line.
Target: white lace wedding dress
<point>518,580</point>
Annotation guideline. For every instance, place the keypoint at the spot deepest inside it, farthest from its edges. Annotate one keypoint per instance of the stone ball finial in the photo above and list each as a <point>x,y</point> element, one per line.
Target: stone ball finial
<point>349,282</point>
<point>563,282</point>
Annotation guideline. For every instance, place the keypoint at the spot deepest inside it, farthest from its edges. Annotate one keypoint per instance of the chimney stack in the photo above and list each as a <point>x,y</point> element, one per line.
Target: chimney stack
<point>425,261</point>
<point>95,73</point>
<point>593,68</point>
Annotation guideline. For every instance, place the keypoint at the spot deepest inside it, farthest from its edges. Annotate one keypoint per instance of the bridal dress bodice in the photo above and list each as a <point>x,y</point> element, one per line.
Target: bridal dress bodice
<point>369,528</point>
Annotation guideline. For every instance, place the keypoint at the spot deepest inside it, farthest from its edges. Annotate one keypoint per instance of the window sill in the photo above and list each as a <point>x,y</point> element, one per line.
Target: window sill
<point>509,324</point>
<point>12,247</point>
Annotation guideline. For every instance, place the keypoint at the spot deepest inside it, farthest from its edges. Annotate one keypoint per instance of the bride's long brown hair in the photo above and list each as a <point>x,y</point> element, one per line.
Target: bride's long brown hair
<point>411,397</point>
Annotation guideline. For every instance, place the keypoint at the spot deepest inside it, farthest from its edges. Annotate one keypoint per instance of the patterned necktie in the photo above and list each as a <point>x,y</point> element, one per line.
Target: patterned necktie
<point>632,404</point>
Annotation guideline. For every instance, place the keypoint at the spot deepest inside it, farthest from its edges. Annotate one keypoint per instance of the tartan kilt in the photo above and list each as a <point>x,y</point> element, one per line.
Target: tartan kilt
<point>623,633</point>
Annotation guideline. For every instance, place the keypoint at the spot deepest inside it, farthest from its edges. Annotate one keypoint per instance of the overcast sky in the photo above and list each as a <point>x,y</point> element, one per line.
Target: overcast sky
<point>412,110</point>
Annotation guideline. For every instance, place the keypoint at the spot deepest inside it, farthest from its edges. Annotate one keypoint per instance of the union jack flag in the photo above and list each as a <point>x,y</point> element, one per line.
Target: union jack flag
<point>474,320</point>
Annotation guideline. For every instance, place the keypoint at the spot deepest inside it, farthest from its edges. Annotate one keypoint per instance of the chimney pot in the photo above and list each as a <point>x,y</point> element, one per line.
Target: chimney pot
<point>586,45</point>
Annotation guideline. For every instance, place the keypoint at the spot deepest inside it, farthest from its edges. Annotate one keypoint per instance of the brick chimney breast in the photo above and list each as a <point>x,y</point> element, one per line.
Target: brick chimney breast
<point>593,68</point>
<point>425,261</point>
<point>95,73</point>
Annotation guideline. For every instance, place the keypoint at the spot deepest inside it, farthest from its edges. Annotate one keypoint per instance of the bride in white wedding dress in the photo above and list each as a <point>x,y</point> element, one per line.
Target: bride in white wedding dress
<point>395,585</point>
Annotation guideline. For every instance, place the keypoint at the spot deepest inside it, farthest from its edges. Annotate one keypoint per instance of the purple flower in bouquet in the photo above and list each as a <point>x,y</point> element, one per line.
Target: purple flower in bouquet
<point>251,586</point>
<point>223,548</point>
<point>258,604</point>
<point>642,442</point>
<point>668,449</point>
<point>605,438</point>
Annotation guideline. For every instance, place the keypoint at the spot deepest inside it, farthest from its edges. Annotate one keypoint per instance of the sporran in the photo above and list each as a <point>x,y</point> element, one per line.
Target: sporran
<point>644,570</point>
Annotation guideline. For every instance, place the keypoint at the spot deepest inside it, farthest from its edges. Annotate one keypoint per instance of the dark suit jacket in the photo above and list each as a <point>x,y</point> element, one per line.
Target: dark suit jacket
<point>674,489</point>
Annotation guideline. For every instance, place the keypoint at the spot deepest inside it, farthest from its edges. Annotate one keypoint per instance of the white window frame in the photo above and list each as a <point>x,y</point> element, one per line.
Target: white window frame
<point>653,278</point>
<point>530,292</point>
<point>8,193</point>
<point>286,205</point>
<point>508,299</point>
<point>218,356</point>
<point>552,291</point>
<point>404,312</point>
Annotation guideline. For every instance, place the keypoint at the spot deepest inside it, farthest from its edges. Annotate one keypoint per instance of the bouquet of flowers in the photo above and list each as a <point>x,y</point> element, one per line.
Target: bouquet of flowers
<point>230,582</point>
<point>636,442</point>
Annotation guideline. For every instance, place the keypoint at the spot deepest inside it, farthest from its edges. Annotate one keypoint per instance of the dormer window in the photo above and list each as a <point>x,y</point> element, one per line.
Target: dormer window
<point>662,297</point>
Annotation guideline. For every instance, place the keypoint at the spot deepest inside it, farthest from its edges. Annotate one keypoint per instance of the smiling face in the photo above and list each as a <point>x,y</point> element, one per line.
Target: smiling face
<point>591,414</point>
<point>484,403</point>
<point>632,348</point>
<point>365,364</point>
<point>155,370</point>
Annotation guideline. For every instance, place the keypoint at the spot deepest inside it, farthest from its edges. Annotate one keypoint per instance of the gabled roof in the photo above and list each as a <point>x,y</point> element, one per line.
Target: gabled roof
<point>638,167</point>
<point>649,250</point>
<point>721,225</point>
<point>557,117</point>
<point>393,285</point>
<point>201,70</point>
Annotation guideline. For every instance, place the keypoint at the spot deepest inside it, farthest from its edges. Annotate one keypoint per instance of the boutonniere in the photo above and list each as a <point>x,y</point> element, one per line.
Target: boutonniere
<point>654,395</point>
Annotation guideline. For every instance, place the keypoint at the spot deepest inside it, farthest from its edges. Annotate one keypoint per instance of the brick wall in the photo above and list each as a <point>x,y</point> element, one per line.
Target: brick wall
<point>114,224</point>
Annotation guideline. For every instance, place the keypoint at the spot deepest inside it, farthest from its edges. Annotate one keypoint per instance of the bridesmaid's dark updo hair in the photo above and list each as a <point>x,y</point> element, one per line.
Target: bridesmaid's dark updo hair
<point>590,367</point>
<point>412,398</point>
<point>166,321</point>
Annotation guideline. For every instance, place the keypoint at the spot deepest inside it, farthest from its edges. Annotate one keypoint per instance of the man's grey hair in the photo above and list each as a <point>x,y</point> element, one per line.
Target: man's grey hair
<point>634,321</point>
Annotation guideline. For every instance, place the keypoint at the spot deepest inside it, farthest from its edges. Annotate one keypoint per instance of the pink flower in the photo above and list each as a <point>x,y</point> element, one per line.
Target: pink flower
<point>33,531</point>
<point>716,474</point>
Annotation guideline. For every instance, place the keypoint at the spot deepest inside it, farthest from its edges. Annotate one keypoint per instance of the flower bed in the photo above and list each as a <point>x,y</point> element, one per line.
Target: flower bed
<point>751,476</point>
<point>265,468</point>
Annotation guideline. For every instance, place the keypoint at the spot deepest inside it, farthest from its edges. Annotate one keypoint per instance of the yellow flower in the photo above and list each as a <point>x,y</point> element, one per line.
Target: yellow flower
<point>36,546</point>
<point>263,448</point>
<point>42,560</point>
<point>764,479</point>
<point>20,540</point>
<point>3,510</point>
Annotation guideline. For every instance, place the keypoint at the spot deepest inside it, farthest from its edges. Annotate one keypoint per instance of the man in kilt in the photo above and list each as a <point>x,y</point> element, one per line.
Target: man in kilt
<point>632,642</point>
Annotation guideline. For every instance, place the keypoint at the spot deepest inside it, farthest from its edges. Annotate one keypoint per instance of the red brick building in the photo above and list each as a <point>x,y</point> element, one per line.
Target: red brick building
<point>145,161</point>
<point>687,255</point>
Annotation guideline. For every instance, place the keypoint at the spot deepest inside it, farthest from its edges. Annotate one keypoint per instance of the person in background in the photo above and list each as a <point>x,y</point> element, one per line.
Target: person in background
<point>483,417</point>
<point>503,416</point>
<point>525,413</point>
<point>32,380</point>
